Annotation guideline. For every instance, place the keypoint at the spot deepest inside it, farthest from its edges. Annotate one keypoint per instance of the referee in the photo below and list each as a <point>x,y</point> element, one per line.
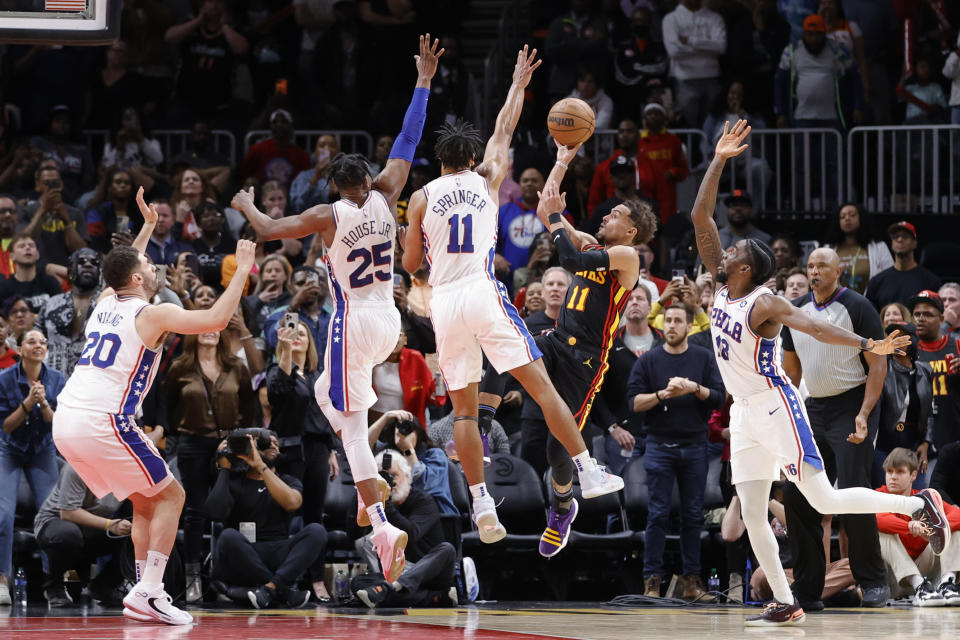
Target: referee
<point>845,385</point>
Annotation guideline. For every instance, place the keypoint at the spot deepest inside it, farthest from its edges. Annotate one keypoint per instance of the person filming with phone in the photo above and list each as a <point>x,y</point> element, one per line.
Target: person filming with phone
<point>308,291</point>
<point>312,187</point>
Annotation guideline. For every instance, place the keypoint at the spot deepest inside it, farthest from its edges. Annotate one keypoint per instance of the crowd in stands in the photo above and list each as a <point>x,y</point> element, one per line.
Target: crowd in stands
<point>645,66</point>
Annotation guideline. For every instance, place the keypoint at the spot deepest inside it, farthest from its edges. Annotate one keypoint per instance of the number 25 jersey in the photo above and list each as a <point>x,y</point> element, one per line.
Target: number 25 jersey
<point>459,227</point>
<point>360,258</point>
<point>116,368</point>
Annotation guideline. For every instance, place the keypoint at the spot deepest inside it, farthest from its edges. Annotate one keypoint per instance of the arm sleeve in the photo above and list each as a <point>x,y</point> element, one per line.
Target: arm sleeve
<point>701,321</point>
<point>279,386</point>
<point>406,142</point>
<point>574,260</point>
<point>670,40</point>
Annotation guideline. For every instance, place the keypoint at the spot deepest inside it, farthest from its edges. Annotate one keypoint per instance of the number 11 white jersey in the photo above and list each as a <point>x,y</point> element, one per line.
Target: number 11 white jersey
<point>459,227</point>
<point>360,259</point>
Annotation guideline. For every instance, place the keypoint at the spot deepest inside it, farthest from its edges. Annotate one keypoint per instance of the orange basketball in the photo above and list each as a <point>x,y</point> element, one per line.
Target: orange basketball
<point>571,121</point>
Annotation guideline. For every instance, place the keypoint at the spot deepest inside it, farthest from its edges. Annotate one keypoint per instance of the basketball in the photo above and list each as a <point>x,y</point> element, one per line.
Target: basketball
<point>571,121</point>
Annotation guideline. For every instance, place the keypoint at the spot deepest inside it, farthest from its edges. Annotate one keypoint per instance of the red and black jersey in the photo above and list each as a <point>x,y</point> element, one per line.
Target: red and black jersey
<point>946,389</point>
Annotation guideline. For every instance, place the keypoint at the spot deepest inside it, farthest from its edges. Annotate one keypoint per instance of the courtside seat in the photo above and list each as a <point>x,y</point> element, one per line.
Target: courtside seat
<point>339,504</point>
<point>518,492</point>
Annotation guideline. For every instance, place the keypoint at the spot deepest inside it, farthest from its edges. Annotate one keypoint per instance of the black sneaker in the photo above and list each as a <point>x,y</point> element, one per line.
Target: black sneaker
<point>951,593</point>
<point>375,595</point>
<point>875,597</point>
<point>927,596</point>
<point>777,614</point>
<point>294,598</point>
<point>933,516</point>
<point>57,596</point>
<point>262,598</point>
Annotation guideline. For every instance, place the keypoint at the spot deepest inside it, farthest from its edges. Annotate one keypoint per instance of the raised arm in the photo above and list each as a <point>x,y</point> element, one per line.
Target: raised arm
<point>565,156</point>
<point>729,145</point>
<point>312,220</point>
<point>393,177</point>
<point>150,217</point>
<point>495,156</point>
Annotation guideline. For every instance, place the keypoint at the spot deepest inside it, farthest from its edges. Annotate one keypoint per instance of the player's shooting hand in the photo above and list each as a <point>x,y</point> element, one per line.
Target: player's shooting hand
<point>567,154</point>
<point>246,253</point>
<point>428,58</point>
<point>243,200</point>
<point>149,213</point>
<point>730,143</point>
<point>893,343</point>
<point>861,433</point>
<point>525,66</point>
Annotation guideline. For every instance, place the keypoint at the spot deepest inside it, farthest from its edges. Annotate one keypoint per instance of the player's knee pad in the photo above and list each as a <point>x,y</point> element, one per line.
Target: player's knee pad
<point>353,432</point>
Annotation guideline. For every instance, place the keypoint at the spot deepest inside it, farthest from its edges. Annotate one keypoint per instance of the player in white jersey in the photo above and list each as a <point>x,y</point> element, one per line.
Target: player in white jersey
<point>455,217</point>
<point>95,427</point>
<point>769,430</point>
<point>358,235</point>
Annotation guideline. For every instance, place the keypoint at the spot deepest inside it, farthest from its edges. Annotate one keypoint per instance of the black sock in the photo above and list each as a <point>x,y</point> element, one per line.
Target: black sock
<point>562,500</point>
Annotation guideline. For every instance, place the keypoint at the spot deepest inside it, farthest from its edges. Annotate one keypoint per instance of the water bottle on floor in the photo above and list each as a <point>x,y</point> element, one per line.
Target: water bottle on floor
<point>341,589</point>
<point>20,588</point>
<point>713,583</point>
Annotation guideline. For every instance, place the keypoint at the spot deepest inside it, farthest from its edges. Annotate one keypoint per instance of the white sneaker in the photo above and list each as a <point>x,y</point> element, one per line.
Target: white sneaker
<point>926,596</point>
<point>488,524</point>
<point>596,481</point>
<point>133,615</point>
<point>471,585</point>
<point>5,600</point>
<point>156,604</point>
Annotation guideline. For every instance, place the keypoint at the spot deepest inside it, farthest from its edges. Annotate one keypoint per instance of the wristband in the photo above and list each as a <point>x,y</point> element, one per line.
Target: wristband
<point>657,394</point>
<point>555,218</point>
<point>408,452</point>
<point>698,389</point>
<point>24,407</point>
<point>109,523</point>
<point>611,428</point>
<point>562,164</point>
<point>246,337</point>
<point>863,344</point>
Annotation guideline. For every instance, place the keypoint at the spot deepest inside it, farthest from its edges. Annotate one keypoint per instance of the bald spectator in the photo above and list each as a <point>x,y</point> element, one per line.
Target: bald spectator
<point>695,38</point>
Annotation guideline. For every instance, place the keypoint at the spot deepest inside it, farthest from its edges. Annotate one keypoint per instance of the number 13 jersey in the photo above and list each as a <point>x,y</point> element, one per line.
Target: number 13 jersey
<point>459,227</point>
<point>116,368</point>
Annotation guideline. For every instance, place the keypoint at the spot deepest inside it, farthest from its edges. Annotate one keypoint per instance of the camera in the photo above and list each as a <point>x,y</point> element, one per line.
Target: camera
<point>239,444</point>
<point>53,184</point>
<point>405,427</point>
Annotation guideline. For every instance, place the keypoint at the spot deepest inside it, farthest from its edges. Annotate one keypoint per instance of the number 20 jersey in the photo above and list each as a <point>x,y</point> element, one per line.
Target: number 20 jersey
<point>748,363</point>
<point>116,368</point>
<point>459,227</point>
<point>360,258</point>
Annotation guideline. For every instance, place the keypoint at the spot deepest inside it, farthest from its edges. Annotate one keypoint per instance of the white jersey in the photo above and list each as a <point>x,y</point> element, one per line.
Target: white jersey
<point>360,259</point>
<point>748,363</point>
<point>116,368</point>
<point>459,227</point>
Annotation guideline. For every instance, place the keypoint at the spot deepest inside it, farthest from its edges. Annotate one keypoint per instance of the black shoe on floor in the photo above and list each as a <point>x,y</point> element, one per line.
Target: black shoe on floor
<point>809,606</point>
<point>376,594</point>
<point>262,597</point>
<point>57,596</point>
<point>294,598</point>
<point>875,597</point>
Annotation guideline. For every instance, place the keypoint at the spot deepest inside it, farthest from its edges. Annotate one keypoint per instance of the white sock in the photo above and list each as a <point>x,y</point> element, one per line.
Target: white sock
<point>479,491</point>
<point>949,576</point>
<point>821,495</point>
<point>915,581</point>
<point>378,517</point>
<point>583,461</point>
<point>153,571</point>
<point>753,507</point>
<point>140,564</point>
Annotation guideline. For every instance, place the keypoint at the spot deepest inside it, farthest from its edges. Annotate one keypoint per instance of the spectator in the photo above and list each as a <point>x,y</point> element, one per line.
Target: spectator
<point>623,172</point>
<point>906,408</point>
<point>905,278</point>
<point>214,243</point>
<point>518,223</point>
<point>64,316</point>
<point>209,49</point>
<point>417,329</point>
<point>28,398</point>
<point>271,292</point>
<point>164,245</point>
<point>533,298</point>
<point>308,290</point>
<point>951,70</point>
<point>772,34</point>
<point>786,251</point>
<point>442,431</point>
<point>648,183</point>
<point>574,38</point>
<point>430,559</point>
<point>926,101</point>
<point>909,559</point>
<point>312,187</point>
<point>676,385</point>
<point>28,282</point>
<point>8,355</point>
<point>848,35</point>
<point>274,201</point>
<point>8,228</point>
<point>214,167</point>
<point>111,209</point>
<point>404,381</point>
<point>73,159</point>
<point>18,314</point>
<point>686,293</point>
<point>623,440</point>
<point>130,147</point>
<point>636,59</point>
<point>277,157</point>
<point>943,354</point>
<point>739,227</point>
<point>266,567</point>
<point>58,228</point>
<point>946,474</point>
<point>949,295</point>
<point>845,385</point>
<point>727,110</point>
<point>664,150</point>
<point>74,528</point>
<point>895,312</point>
<point>861,255</point>
<point>543,255</point>
<point>653,284</point>
<point>796,284</point>
<point>695,38</point>
<point>382,150</point>
<point>209,393</point>
<point>590,90</point>
<point>190,190</point>
<point>112,88</point>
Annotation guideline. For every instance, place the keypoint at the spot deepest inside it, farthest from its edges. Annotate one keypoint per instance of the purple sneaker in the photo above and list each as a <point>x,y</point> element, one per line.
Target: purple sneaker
<point>557,533</point>
<point>486,449</point>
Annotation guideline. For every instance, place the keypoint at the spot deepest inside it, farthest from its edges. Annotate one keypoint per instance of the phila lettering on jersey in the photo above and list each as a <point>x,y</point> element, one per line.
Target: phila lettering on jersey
<point>360,259</point>
<point>459,227</point>
<point>748,363</point>
<point>115,369</point>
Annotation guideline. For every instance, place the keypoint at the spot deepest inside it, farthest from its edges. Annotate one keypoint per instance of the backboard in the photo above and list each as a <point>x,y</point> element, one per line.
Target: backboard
<point>76,22</point>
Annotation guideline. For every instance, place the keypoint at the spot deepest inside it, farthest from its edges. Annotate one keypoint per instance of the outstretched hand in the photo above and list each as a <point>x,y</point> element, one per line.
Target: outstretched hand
<point>893,343</point>
<point>551,201</point>
<point>427,60</point>
<point>567,154</point>
<point>731,143</point>
<point>149,213</point>
<point>246,253</point>
<point>244,198</point>
<point>525,66</point>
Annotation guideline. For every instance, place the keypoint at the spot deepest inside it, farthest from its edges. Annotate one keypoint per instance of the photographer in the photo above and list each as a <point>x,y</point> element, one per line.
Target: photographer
<point>428,574</point>
<point>256,505</point>
<point>401,431</point>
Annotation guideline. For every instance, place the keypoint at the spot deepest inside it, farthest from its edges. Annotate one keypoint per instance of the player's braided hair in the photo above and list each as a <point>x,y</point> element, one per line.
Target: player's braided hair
<point>458,144</point>
<point>762,261</point>
<point>349,170</point>
<point>643,218</point>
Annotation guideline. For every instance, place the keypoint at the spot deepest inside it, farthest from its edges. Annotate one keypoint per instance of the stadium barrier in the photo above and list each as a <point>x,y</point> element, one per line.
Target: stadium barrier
<point>172,141</point>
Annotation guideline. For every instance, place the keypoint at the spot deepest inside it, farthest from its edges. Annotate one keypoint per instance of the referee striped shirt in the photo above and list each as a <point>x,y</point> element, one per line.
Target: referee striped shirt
<point>830,369</point>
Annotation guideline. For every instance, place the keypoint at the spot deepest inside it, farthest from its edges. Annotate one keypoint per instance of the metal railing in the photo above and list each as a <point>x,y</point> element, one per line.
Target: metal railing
<point>906,169</point>
<point>172,141</point>
<point>604,141</point>
<point>350,140</point>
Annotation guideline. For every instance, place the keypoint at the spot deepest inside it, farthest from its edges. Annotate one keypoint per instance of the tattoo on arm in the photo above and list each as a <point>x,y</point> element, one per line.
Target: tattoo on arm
<point>708,245</point>
<point>708,239</point>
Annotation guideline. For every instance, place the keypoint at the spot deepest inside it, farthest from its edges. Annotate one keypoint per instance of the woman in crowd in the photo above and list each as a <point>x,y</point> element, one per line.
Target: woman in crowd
<point>19,316</point>
<point>275,203</point>
<point>533,299</point>
<point>111,209</point>
<point>786,251</point>
<point>312,187</point>
<point>190,188</point>
<point>214,243</point>
<point>893,313</point>
<point>28,398</point>
<point>543,255</point>
<point>861,255</point>
<point>209,394</point>
<point>270,294</point>
<point>131,148</point>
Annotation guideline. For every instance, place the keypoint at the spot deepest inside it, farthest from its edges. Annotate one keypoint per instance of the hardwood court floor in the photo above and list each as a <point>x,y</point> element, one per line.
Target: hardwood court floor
<point>513,621</point>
